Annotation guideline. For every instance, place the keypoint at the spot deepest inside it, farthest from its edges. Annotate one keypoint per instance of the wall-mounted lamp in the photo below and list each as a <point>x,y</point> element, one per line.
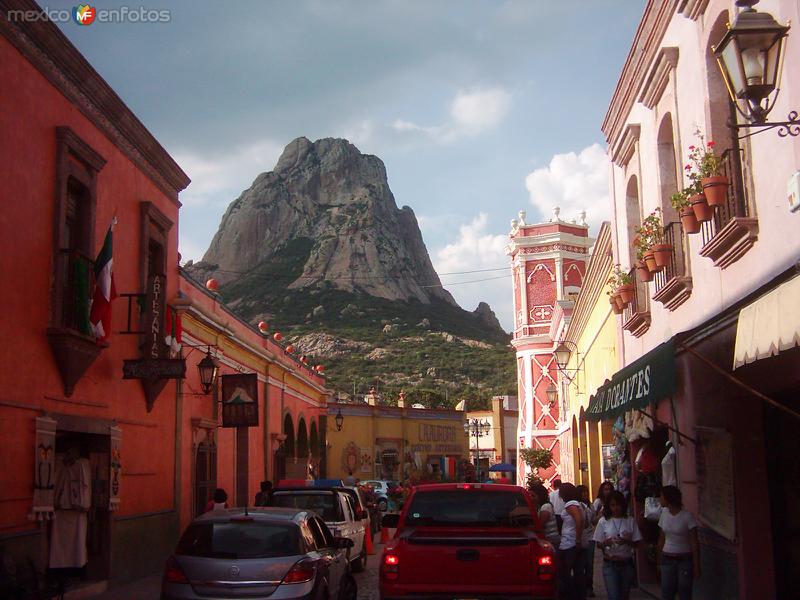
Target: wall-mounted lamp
<point>339,420</point>
<point>209,369</point>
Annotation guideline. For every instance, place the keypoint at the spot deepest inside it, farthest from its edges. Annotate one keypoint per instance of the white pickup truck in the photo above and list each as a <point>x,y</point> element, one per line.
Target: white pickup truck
<point>340,511</point>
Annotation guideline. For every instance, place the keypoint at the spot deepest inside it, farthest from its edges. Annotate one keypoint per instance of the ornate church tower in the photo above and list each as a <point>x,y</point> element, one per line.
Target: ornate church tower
<point>548,265</point>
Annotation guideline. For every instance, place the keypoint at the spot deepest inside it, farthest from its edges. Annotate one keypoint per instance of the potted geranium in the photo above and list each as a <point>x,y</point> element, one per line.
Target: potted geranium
<point>654,231</point>
<point>614,294</point>
<point>697,199</point>
<point>680,202</point>
<point>642,245</point>
<point>709,168</point>
<point>622,285</point>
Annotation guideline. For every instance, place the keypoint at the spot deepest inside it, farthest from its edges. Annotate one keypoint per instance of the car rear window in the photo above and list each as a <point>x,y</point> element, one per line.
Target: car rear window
<point>476,508</point>
<point>239,539</point>
<point>325,505</point>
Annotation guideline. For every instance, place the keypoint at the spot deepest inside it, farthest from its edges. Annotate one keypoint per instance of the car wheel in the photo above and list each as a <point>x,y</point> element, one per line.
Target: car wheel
<point>383,505</point>
<point>360,563</point>
<point>348,590</point>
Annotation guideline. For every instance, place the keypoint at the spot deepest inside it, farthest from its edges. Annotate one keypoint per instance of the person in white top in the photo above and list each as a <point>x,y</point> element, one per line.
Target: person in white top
<point>678,548</point>
<point>617,535</point>
<point>571,555</point>
<point>555,497</point>
<point>547,517</point>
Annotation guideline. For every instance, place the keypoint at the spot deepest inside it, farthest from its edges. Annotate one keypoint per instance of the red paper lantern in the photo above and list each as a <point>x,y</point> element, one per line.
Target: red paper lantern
<point>290,349</point>
<point>212,285</point>
<point>263,326</point>
<point>304,360</point>
<point>320,369</point>
<point>278,336</point>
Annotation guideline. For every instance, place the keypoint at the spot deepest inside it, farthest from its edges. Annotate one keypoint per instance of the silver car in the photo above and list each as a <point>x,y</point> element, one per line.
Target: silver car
<point>257,554</point>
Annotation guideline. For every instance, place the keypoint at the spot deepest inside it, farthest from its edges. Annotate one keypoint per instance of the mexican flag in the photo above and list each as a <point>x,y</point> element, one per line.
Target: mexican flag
<point>104,290</point>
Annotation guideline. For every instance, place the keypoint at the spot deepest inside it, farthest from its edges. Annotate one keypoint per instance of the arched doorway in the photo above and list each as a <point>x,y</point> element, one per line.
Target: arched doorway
<point>583,474</point>
<point>288,431</point>
<point>302,439</point>
<point>576,449</point>
<point>667,168</point>
<point>313,441</point>
<point>633,214</point>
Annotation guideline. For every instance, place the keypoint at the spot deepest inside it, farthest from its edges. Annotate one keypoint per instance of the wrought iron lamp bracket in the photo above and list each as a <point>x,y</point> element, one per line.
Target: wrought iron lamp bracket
<point>789,128</point>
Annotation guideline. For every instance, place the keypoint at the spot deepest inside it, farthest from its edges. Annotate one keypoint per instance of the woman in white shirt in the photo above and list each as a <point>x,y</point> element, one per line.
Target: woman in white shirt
<point>678,548</point>
<point>585,497</point>
<point>617,535</point>
<point>547,517</point>
<point>571,555</point>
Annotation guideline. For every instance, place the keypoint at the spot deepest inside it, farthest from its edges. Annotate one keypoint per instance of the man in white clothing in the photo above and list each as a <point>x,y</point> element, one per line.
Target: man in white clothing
<point>555,498</point>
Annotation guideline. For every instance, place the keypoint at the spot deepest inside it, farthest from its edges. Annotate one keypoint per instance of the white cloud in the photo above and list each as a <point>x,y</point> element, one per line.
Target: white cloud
<point>573,182</point>
<point>477,249</point>
<point>472,112</point>
<point>219,178</point>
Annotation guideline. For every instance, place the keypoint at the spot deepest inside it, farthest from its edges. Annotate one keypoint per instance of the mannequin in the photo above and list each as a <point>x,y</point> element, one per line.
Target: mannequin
<point>669,471</point>
<point>73,498</point>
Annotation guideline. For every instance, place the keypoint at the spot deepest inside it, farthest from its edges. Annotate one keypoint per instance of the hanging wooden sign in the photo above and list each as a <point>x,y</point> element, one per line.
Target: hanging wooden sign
<point>240,400</point>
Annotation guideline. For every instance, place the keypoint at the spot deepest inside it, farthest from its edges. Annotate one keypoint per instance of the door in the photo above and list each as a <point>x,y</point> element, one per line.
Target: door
<point>334,559</point>
<point>205,475</point>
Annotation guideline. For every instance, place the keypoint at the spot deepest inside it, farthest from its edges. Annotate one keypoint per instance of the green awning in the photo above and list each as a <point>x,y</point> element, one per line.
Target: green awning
<point>646,381</point>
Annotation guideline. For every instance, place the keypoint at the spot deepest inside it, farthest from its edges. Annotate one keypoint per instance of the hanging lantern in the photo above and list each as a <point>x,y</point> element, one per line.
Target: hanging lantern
<point>320,369</point>
<point>290,349</point>
<point>304,359</point>
<point>278,336</point>
<point>212,285</point>
<point>263,326</point>
<point>208,368</point>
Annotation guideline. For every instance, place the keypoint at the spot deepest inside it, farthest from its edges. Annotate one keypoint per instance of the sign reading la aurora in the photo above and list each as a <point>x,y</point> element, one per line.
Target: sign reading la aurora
<point>643,382</point>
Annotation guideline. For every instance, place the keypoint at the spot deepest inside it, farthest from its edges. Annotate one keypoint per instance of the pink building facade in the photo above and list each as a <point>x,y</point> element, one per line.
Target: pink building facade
<point>725,300</point>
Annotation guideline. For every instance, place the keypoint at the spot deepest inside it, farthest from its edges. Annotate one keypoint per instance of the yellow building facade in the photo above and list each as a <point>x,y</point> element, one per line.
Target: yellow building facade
<point>394,442</point>
<point>592,336</point>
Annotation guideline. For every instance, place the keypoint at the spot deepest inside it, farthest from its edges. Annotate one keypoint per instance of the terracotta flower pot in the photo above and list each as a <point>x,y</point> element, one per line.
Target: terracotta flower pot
<point>715,189</point>
<point>662,254</point>
<point>612,300</point>
<point>621,304</point>
<point>650,261</point>
<point>689,221</point>
<point>643,272</point>
<point>626,292</point>
<point>702,211</point>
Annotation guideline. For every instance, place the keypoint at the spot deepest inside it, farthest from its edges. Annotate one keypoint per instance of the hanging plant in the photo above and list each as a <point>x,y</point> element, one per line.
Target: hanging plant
<point>708,165</point>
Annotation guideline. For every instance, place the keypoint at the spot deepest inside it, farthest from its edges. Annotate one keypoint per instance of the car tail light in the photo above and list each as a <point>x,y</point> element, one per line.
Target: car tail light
<point>546,567</point>
<point>173,572</point>
<point>300,573</point>
<point>390,568</point>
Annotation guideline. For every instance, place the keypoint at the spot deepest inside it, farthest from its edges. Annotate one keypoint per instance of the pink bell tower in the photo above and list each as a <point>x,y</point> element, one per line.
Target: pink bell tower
<point>548,265</point>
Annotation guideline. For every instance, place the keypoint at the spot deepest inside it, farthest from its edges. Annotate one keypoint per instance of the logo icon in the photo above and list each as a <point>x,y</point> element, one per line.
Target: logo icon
<point>234,572</point>
<point>84,14</point>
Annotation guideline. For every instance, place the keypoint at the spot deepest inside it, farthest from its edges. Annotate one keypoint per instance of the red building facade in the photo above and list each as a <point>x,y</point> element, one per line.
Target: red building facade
<point>129,411</point>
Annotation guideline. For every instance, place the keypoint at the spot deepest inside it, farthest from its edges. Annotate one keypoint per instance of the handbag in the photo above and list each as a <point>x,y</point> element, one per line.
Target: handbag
<point>652,508</point>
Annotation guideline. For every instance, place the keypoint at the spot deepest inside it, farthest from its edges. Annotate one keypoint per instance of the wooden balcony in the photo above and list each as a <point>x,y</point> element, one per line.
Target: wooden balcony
<point>732,231</point>
<point>672,285</point>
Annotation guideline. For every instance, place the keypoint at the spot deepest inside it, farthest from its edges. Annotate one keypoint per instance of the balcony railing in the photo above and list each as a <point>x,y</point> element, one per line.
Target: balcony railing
<point>672,284</point>
<point>77,275</point>
<point>636,316</point>
<point>732,231</point>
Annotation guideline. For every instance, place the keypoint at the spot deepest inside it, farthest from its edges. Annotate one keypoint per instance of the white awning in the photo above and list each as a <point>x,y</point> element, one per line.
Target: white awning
<point>769,325</point>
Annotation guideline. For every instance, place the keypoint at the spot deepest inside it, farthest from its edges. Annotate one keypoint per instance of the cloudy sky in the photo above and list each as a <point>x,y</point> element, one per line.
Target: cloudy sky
<point>479,108</point>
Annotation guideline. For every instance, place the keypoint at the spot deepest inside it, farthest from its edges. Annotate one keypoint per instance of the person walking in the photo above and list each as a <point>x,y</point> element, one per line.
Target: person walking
<point>597,508</point>
<point>603,494</point>
<point>556,501</point>
<point>547,517</point>
<point>616,535</point>
<point>571,557</point>
<point>585,498</point>
<point>678,548</point>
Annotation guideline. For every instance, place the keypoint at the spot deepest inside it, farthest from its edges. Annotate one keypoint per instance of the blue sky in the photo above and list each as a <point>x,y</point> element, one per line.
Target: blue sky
<point>479,108</point>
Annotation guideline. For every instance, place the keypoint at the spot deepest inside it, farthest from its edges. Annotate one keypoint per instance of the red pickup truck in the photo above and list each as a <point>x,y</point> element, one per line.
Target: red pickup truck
<point>467,541</point>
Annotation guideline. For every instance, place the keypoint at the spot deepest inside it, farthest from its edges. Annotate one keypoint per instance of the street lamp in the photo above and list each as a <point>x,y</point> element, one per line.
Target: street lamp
<point>552,394</point>
<point>208,368</point>
<point>477,429</point>
<point>339,420</point>
<point>750,56</point>
<point>562,354</point>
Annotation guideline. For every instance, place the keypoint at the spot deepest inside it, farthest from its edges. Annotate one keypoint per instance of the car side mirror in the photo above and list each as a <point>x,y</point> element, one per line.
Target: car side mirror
<point>390,521</point>
<point>342,543</point>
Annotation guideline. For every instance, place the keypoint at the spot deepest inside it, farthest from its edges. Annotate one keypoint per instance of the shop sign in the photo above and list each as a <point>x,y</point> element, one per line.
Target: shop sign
<point>154,368</point>
<point>436,433</point>
<point>645,381</point>
<point>240,400</point>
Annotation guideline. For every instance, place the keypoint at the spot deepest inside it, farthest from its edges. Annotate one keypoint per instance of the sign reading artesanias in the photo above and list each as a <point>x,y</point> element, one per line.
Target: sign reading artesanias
<point>645,381</point>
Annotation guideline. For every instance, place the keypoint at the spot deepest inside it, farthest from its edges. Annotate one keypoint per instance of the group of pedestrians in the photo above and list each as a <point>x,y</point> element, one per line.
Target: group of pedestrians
<point>576,525</point>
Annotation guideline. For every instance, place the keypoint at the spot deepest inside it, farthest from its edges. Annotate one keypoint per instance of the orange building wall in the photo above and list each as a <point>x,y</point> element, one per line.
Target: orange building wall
<point>30,111</point>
